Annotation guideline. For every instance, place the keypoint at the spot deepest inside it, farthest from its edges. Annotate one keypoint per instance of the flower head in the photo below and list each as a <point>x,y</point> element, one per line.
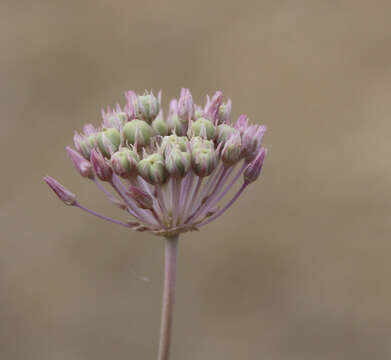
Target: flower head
<point>172,174</point>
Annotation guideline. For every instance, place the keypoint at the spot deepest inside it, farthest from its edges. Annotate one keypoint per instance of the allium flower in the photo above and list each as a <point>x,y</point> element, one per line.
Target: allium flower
<point>185,165</point>
<point>169,175</point>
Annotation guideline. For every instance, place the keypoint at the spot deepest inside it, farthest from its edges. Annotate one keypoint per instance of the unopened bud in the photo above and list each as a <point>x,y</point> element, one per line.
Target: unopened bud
<point>224,115</point>
<point>231,152</point>
<point>173,141</point>
<point>223,132</point>
<point>149,107</point>
<point>177,125</point>
<point>212,107</point>
<point>124,162</point>
<point>252,140</point>
<point>159,125</point>
<point>143,199</point>
<point>101,167</point>
<point>198,142</point>
<point>64,194</point>
<point>83,166</point>
<point>131,108</point>
<point>241,124</point>
<point>252,171</point>
<point>84,144</point>
<point>115,119</point>
<point>185,105</point>
<point>178,163</point>
<point>108,141</point>
<point>138,132</point>
<point>204,128</point>
<point>152,169</point>
<point>204,161</point>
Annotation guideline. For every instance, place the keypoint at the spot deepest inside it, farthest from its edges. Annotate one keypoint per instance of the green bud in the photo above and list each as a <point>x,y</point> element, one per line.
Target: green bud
<point>177,126</point>
<point>124,162</point>
<point>224,115</point>
<point>149,107</point>
<point>199,142</point>
<point>152,169</point>
<point>204,161</point>
<point>160,126</point>
<point>232,149</point>
<point>116,119</point>
<point>178,163</point>
<point>223,132</point>
<point>174,141</point>
<point>138,131</point>
<point>204,128</point>
<point>108,141</point>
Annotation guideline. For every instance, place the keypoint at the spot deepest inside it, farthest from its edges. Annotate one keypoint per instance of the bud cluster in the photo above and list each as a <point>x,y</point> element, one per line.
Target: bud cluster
<point>157,165</point>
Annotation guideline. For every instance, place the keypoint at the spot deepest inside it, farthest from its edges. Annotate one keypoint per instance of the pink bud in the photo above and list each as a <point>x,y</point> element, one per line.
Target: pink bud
<point>242,123</point>
<point>212,107</point>
<point>143,200</point>
<point>64,194</point>
<point>89,129</point>
<point>252,171</point>
<point>131,106</point>
<point>101,167</point>
<point>252,139</point>
<point>185,105</point>
<point>82,165</point>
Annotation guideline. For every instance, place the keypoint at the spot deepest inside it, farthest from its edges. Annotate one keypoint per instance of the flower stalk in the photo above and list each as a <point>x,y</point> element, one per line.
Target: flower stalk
<point>170,271</point>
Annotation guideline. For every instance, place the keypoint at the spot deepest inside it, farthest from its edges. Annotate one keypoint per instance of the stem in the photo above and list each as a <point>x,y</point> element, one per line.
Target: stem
<point>171,252</point>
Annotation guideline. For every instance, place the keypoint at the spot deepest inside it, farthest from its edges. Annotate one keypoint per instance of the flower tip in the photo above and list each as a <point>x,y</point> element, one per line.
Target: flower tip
<point>102,169</point>
<point>63,194</point>
<point>81,164</point>
<point>253,169</point>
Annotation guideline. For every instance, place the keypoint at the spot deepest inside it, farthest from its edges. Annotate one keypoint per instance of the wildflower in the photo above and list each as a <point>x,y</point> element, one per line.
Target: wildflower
<point>183,165</point>
<point>169,175</point>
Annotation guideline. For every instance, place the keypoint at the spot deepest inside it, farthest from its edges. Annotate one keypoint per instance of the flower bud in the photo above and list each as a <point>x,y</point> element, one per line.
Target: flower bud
<point>149,106</point>
<point>178,126</point>
<point>159,125</point>
<point>138,132</point>
<point>84,144</point>
<point>64,194</point>
<point>131,108</point>
<point>204,161</point>
<point>223,132</point>
<point>178,163</point>
<point>252,139</point>
<point>224,115</point>
<point>199,142</point>
<point>115,119</point>
<point>185,105</point>
<point>212,107</point>
<point>241,124</point>
<point>231,152</point>
<point>101,167</point>
<point>124,162</point>
<point>143,199</point>
<point>252,171</point>
<point>89,129</point>
<point>173,141</point>
<point>108,141</point>
<point>204,128</point>
<point>83,166</point>
<point>152,169</point>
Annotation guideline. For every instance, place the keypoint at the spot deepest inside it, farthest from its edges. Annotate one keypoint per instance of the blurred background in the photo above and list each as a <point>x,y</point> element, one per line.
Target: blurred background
<point>299,268</point>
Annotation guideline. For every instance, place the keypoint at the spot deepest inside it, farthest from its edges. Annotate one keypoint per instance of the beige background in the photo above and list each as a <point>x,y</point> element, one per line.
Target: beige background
<point>299,269</point>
